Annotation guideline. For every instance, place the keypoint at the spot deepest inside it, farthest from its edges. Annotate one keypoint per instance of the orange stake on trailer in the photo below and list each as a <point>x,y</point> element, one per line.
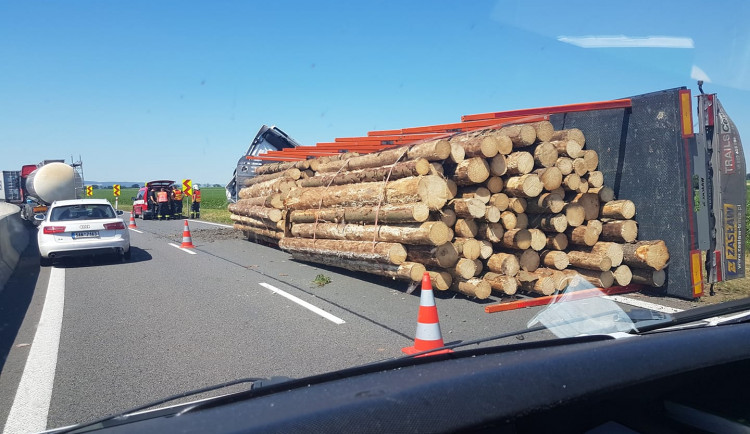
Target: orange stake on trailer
<point>570,296</point>
<point>581,107</point>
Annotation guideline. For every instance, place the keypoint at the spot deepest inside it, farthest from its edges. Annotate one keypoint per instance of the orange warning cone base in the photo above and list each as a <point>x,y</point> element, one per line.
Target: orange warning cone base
<point>428,326</point>
<point>187,240</point>
<point>132,222</point>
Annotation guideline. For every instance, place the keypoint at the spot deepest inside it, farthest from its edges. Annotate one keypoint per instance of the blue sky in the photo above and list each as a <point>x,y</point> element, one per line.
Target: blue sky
<point>177,89</point>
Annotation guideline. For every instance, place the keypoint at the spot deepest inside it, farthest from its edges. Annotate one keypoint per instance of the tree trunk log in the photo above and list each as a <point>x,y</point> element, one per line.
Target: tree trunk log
<point>545,203</point>
<point>498,166</point>
<point>646,277</point>
<point>544,130</point>
<point>485,249</point>
<point>595,179</point>
<point>409,271</point>
<point>538,239</point>
<point>475,192</point>
<point>431,190</point>
<point>495,184</point>
<point>618,209</point>
<point>280,167</point>
<point>528,185</point>
<point>492,214</point>
<point>590,203</point>
<point>279,185</point>
<point>622,274</point>
<point>492,232</point>
<point>500,201</point>
<point>257,212</point>
<point>467,228</point>
<point>591,158</point>
<point>589,261</point>
<point>620,231</point>
<point>504,263</point>
<point>407,213</point>
<point>466,268</point>
<point>468,208</point>
<point>501,283</point>
<point>441,280</point>
<point>519,239</point>
<point>428,233</point>
<point>557,242</point>
<point>444,256</point>
<point>575,214</point>
<point>258,223</point>
<point>519,163</point>
<point>401,170</point>
<point>473,287</point>
<point>458,153</point>
<point>549,222</point>
<point>571,182</point>
<point>471,171</point>
<point>611,250</point>
<point>646,254</point>
<point>539,283</point>
<point>545,154</point>
<point>481,145</point>
<point>528,260</point>
<point>582,235</point>
<point>508,219</point>
<point>520,135</point>
<point>272,201</point>
<point>565,165</point>
<point>343,250</point>
<point>433,150</point>
<point>570,134</point>
<point>467,247</point>
<point>551,177</point>
<point>606,194</point>
<point>567,148</point>
<point>554,259</point>
<point>447,216</point>
<point>600,279</point>
<point>265,235</point>
<point>579,166</point>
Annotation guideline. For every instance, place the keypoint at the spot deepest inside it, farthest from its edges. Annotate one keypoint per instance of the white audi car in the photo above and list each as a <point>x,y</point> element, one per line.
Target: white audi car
<point>81,227</point>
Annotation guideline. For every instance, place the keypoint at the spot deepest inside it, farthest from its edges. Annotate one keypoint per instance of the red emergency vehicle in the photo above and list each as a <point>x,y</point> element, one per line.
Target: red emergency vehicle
<point>141,206</point>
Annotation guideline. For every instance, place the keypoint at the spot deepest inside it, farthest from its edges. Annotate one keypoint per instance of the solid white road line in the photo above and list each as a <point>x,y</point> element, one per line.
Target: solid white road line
<point>304,304</point>
<point>31,404</point>
<point>643,304</point>
<point>136,230</point>
<point>211,223</point>
<point>184,250</point>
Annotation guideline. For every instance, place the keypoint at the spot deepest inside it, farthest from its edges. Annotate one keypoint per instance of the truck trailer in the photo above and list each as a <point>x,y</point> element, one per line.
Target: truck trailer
<point>688,187</point>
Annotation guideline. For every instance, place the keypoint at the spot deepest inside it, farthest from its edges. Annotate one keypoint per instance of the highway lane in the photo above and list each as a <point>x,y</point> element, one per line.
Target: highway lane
<point>169,321</point>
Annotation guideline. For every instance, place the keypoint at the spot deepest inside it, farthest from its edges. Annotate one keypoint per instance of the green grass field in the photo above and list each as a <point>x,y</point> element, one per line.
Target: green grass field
<point>213,202</point>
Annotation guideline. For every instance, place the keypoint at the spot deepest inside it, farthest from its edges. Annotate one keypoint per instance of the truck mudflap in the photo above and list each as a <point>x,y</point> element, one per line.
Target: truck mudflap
<point>720,149</point>
<point>267,139</point>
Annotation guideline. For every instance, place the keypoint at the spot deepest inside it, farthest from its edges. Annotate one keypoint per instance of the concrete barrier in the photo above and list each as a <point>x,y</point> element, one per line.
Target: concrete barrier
<point>14,237</point>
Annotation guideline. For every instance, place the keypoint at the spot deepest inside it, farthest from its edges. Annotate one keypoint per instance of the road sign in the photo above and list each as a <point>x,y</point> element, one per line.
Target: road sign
<point>89,190</point>
<point>116,190</point>
<point>187,187</point>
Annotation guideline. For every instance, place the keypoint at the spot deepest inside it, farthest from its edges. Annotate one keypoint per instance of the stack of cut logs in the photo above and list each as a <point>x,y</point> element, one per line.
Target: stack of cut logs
<point>519,207</point>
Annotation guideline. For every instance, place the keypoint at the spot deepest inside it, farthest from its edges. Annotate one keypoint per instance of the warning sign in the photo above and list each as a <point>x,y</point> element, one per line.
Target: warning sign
<point>187,187</point>
<point>116,190</point>
<point>89,190</point>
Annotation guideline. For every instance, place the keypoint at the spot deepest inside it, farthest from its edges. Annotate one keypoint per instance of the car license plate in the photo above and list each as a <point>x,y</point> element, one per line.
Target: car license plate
<point>86,234</point>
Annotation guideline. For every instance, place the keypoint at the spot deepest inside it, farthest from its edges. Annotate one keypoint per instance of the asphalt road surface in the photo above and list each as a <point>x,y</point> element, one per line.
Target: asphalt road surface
<point>99,336</point>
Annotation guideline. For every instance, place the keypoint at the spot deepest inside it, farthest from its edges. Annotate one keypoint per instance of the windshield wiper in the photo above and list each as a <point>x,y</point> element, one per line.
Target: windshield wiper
<point>700,314</point>
<point>122,417</point>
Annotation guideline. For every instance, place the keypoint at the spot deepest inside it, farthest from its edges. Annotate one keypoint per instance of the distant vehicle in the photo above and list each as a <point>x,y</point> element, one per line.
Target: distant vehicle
<point>36,186</point>
<point>81,227</point>
<point>141,206</point>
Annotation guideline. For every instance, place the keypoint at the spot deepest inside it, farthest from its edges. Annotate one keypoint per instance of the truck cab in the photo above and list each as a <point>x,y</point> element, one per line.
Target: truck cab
<point>142,206</point>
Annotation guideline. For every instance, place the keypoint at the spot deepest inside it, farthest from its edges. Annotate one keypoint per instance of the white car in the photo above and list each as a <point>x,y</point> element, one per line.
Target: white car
<point>81,227</point>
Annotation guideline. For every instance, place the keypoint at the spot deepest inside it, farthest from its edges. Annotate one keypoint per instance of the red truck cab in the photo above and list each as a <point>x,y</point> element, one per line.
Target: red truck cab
<point>141,206</point>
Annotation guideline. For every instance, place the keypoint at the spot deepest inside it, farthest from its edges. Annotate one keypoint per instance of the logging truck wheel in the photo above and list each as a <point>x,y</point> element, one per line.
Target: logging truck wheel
<point>45,262</point>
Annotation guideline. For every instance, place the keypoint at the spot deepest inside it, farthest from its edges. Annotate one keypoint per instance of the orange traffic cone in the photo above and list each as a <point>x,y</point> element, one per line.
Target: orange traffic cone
<point>428,326</point>
<point>187,241</point>
<point>132,222</point>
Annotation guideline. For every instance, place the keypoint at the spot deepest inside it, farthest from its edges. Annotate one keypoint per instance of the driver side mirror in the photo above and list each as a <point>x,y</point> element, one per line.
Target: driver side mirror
<point>119,212</point>
<point>132,198</point>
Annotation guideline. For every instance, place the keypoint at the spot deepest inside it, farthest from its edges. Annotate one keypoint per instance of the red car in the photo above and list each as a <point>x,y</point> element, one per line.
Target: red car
<point>141,206</point>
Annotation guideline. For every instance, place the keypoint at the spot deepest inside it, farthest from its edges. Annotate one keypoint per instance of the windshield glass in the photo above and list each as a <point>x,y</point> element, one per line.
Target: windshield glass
<point>81,212</point>
<point>572,166</point>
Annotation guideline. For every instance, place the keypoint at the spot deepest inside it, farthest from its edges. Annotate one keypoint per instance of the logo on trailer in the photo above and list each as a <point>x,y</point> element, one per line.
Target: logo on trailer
<point>727,147</point>
<point>731,242</point>
<point>116,190</point>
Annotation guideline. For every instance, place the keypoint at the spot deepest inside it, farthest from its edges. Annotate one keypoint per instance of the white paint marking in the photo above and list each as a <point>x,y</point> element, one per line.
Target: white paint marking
<point>211,223</point>
<point>304,304</point>
<point>31,404</point>
<point>136,230</point>
<point>184,250</point>
<point>643,304</point>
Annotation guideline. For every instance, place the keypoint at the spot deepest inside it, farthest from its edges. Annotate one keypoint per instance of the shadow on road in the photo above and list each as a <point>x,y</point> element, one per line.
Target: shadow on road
<point>16,297</point>
<point>137,255</point>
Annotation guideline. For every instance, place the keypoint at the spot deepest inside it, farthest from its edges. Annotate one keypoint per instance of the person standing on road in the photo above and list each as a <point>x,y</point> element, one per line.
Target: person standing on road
<point>152,201</point>
<point>196,211</point>
<point>162,200</point>
<point>177,196</point>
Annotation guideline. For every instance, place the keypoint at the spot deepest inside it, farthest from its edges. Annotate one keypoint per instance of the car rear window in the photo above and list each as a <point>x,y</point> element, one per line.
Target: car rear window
<point>82,212</point>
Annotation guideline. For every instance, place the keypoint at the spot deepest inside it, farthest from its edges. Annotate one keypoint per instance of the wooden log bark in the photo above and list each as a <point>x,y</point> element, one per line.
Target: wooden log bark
<point>408,271</point>
<point>444,256</point>
<point>272,201</point>
<point>618,209</point>
<point>522,221</point>
<point>258,223</point>
<point>545,203</point>
<point>551,177</point>
<point>591,159</point>
<point>492,232</point>
<point>544,130</point>
<point>343,250</point>
<point>646,254</point>
<point>467,247</point>
<point>528,185</point>
<point>468,208</point>
<point>292,173</point>
<point>590,203</point>
<point>498,165</point>
<point>549,222</point>
<point>648,277</point>
<point>565,164</point>
<point>575,214</point>
<point>501,283</point>
<point>583,187</point>
<point>554,259</point>
<point>434,150</point>
<point>571,182</point>
<point>467,228</point>
<point>441,280</point>
<point>528,259</point>
<point>492,214</point>
<point>582,235</point>
<point>280,167</point>
<point>520,135</point>
<point>279,185</point>
<point>478,145</point>
<point>485,249</point>
<point>458,153</point>
<point>261,234</point>
<point>606,194</point>
<point>405,169</point>
<point>567,148</point>
<point>508,220</point>
<point>471,171</point>
<point>495,184</point>
<point>611,250</point>
<point>465,268</point>
<point>545,154</point>
<point>257,212</point>
<point>473,287</point>
<point>622,274</point>
<point>519,163</point>
<point>589,261</point>
<point>517,204</point>
<point>475,192</point>
<point>599,279</point>
<point>557,242</point>
<point>595,179</point>
<point>570,134</point>
<point>519,239</point>
<point>579,166</point>
<point>385,214</point>
<point>430,190</point>
<point>501,201</point>
<point>427,233</point>
<point>538,239</point>
<point>504,144</point>
<point>620,231</point>
<point>503,263</point>
<point>447,216</point>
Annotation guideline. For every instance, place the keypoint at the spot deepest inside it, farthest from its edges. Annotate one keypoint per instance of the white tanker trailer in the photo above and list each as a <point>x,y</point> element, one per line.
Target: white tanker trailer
<point>35,187</point>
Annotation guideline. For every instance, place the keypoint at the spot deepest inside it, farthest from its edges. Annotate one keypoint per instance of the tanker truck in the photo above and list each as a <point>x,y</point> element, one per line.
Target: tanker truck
<point>36,186</point>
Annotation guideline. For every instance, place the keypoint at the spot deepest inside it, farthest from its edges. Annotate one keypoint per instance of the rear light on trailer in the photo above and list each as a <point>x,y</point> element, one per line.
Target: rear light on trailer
<point>686,113</point>
<point>114,226</point>
<point>54,229</point>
